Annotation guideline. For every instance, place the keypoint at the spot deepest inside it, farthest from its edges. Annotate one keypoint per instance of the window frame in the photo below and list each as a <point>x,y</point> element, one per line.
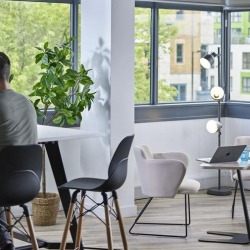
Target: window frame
<point>74,24</point>
<point>179,57</point>
<point>155,111</point>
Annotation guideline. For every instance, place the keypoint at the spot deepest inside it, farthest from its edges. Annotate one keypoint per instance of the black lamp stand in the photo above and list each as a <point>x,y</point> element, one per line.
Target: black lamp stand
<point>219,191</point>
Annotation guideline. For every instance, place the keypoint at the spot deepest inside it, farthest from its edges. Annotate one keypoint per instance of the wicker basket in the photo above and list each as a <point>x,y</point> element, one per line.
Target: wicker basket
<point>45,210</point>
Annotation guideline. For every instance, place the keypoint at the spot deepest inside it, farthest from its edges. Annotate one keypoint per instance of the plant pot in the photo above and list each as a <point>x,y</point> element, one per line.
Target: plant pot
<point>45,210</point>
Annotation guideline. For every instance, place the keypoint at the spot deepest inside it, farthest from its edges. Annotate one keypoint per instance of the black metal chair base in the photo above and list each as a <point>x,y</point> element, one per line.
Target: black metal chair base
<point>237,238</point>
<point>187,221</point>
<point>223,191</point>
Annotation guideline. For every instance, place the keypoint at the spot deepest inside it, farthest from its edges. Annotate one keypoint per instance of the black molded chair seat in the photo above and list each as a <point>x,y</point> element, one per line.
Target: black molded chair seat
<point>117,174</point>
<point>20,168</point>
<point>86,184</point>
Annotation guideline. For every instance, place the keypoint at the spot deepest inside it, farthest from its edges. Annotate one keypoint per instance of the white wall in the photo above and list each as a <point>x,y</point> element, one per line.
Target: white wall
<point>108,49</point>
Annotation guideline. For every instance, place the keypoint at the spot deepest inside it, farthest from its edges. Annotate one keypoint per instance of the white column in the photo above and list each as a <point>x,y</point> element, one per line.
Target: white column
<point>107,47</point>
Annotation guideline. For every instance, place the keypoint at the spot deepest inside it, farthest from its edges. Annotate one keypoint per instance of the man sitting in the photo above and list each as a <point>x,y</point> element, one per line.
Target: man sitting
<point>18,126</point>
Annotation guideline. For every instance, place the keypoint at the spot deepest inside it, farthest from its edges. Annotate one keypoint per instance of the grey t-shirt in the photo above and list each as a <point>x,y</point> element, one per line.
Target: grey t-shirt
<point>18,122</point>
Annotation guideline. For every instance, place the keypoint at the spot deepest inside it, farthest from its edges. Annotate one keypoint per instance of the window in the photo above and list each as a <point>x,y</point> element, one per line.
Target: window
<point>179,15</point>
<point>181,89</point>
<point>218,17</point>
<point>240,58</point>
<point>246,61</point>
<point>142,55</point>
<point>219,33</point>
<point>212,82</point>
<point>236,31</point>
<point>28,25</point>
<point>179,53</point>
<point>246,84</point>
<point>236,36</point>
<point>236,17</point>
<point>168,46</point>
<point>180,46</point>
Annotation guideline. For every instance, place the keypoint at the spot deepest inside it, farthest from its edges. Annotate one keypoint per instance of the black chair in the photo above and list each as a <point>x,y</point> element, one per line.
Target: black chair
<point>117,174</point>
<point>20,168</point>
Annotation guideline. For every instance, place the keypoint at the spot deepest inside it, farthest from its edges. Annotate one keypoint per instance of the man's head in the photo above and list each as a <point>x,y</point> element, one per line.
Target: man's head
<point>4,68</point>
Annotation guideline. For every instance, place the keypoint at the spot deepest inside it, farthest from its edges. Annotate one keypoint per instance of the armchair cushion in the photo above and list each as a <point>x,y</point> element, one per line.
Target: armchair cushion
<point>189,186</point>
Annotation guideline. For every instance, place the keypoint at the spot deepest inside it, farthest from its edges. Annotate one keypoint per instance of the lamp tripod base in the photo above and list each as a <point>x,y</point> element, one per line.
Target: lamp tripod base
<point>223,191</point>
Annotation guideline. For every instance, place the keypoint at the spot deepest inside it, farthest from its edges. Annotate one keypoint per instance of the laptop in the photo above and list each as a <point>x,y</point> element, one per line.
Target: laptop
<point>225,154</point>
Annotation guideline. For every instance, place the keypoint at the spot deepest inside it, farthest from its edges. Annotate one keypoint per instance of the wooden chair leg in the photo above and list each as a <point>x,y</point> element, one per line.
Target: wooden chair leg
<point>8,219</point>
<point>68,221</point>
<point>108,223</point>
<point>118,211</point>
<point>30,227</point>
<point>79,224</point>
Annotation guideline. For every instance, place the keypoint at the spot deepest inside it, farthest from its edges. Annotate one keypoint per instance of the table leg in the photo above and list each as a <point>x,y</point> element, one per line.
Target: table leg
<point>237,238</point>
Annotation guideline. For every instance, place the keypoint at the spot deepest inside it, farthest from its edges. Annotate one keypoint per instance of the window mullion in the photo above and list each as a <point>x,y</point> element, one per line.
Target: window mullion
<point>154,56</point>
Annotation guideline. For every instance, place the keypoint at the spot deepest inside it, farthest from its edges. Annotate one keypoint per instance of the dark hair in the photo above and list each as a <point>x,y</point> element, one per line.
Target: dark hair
<point>4,67</point>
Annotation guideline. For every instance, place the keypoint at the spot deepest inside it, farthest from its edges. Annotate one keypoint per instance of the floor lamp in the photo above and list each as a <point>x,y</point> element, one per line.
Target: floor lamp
<point>217,93</point>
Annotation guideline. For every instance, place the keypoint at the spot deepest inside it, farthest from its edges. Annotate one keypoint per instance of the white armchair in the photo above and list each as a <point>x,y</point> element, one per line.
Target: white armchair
<point>162,175</point>
<point>245,174</point>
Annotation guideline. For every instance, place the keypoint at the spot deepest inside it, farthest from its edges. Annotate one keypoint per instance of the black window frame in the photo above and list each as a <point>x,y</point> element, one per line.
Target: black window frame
<point>155,111</point>
<point>74,32</point>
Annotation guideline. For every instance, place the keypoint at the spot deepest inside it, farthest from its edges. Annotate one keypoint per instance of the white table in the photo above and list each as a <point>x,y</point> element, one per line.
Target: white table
<point>237,238</point>
<point>50,136</point>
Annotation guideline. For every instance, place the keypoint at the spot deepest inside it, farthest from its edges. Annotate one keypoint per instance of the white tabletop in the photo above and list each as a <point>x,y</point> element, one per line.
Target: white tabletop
<point>236,165</point>
<point>48,133</point>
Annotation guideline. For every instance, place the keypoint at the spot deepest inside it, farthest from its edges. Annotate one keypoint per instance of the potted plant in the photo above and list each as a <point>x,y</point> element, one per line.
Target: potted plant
<point>67,91</point>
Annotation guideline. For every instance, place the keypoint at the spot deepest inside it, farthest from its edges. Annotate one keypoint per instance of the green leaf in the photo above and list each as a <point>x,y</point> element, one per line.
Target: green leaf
<point>39,48</point>
<point>39,57</point>
<point>11,78</point>
<point>71,120</point>
<point>52,94</point>
<point>43,66</point>
<point>56,102</point>
<point>36,102</point>
<point>46,45</point>
<point>58,119</point>
<point>45,59</point>
<point>70,83</point>
<point>52,70</point>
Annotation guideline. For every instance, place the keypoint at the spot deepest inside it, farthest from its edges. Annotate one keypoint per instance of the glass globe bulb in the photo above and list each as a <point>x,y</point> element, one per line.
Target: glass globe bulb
<point>217,93</point>
<point>213,126</point>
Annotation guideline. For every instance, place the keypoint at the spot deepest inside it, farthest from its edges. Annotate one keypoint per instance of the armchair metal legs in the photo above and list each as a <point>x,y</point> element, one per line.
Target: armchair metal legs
<point>187,220</point>
<point>235,191</point>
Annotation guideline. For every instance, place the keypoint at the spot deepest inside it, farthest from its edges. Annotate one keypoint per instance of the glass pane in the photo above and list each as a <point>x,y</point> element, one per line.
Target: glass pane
<point>24,26</point>
<point>182,42</point>
<point>142,55</point>
<point>240,57</point>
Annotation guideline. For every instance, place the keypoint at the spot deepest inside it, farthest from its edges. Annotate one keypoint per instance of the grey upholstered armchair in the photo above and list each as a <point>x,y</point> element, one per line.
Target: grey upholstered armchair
<point>162,175</point>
